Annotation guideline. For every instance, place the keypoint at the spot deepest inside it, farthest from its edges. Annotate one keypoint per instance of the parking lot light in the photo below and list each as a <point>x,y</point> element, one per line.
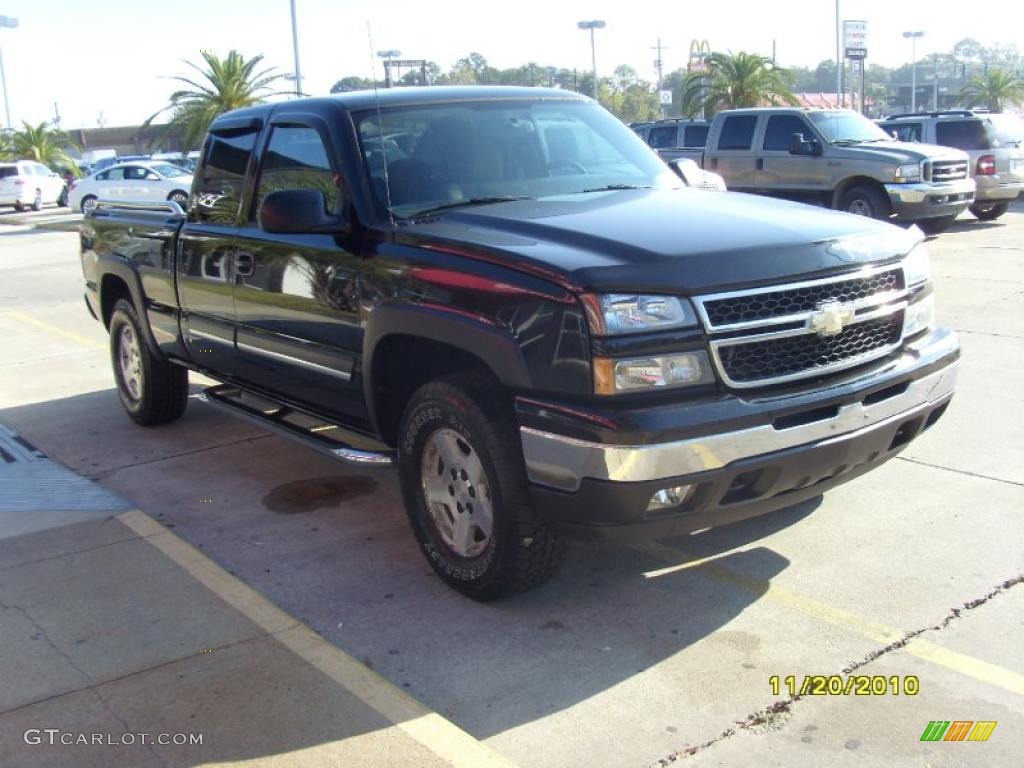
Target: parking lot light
<point>592,25</point>
<point>913,66</point>
<point>6,22</point>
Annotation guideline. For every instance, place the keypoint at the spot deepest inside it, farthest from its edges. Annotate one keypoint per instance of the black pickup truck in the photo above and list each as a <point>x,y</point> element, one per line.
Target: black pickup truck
<point>508,295</point>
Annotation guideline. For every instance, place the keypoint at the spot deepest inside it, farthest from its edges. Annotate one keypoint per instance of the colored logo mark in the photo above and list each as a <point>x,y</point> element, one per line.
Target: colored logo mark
<point>958,730</point>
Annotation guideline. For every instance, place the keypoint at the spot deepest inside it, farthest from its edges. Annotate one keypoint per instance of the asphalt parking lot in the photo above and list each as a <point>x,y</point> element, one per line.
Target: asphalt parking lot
<point>640,656</point>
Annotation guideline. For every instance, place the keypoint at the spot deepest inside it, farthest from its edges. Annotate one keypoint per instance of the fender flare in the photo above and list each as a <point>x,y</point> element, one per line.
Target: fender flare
<point>120,268</point>
<point>478,336</point>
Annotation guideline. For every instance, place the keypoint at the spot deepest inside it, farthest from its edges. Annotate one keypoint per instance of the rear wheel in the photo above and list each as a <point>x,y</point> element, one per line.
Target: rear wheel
<point>152,390</point>
<point>989,212</point>
<point>936,225</point>
<point>863,200</point>
<point>19,207</point>
<point>37,201</point>
<point>466,492</point>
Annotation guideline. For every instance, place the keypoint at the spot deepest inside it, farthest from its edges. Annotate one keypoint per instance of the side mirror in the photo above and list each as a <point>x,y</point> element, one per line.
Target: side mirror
<point>298,211</point>
<point>799,146</point>
<point>686,169</point>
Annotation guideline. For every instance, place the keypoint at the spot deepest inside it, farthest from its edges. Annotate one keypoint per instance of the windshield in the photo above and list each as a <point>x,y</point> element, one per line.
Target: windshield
<point>1005,131</point>
<point>169,171</point>
<point>450,155</point>
<point>844,126</point>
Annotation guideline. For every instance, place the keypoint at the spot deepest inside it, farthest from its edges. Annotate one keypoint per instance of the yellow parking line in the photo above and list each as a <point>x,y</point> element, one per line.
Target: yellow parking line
<point>440,736</point>
<point>54,329</point>
<point>880,633</point>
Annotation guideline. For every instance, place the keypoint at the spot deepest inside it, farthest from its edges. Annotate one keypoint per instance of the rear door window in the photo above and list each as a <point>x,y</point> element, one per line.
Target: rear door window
<point>962,134</point>
<point>8,171</point>
<point>662,136</point>
<point>695,136</point>
<point>737,132</point>
<point>221,173</point>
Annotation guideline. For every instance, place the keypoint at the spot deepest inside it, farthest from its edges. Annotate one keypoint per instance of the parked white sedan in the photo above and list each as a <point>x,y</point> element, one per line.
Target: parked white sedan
<point>135,182</point>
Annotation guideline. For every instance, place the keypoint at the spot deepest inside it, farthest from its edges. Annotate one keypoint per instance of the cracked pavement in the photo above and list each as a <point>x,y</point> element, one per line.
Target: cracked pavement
<point>630,657</point>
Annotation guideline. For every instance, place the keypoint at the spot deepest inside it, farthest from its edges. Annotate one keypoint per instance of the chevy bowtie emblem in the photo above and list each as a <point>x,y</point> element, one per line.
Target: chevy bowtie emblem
<point>830,318</point>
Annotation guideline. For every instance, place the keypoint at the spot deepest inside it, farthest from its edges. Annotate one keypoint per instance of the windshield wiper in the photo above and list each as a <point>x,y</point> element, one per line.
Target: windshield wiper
<point>466,204</point>
<point>613,187</point>
<point>848,142</point>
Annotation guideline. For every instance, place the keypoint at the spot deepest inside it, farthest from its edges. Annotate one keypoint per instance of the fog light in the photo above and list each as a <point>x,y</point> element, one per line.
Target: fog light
<point>668,497</point>
<point>919,315</point>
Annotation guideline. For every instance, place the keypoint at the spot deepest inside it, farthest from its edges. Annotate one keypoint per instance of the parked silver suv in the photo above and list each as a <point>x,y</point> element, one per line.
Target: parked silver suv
<point>994,141</point>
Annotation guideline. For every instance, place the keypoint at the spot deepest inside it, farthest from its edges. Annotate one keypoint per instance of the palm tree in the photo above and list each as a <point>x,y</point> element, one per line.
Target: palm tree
<point>41,143</point>
<point>994,89</point>
<point>736,80</point>
<point>230,83</point>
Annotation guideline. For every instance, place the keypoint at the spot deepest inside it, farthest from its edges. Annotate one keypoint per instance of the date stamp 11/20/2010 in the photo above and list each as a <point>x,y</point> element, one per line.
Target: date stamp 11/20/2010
<point>838,685</point>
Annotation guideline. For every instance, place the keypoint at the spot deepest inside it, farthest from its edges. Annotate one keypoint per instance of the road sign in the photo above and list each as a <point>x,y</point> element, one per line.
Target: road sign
<point>855,39</point>
<point>665,98</point>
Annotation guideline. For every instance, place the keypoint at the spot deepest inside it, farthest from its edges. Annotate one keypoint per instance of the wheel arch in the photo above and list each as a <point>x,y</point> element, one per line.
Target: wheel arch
<point>856,181</point>
<point>406,346</point>
<point>119,281</point>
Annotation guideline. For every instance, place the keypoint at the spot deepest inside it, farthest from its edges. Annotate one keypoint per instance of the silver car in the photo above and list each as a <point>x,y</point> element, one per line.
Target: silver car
<point>994,141</point>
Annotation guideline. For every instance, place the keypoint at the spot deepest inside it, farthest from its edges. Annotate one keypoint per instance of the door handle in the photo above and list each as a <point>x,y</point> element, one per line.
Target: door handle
<point>244,264</point>
<point>760,163</point>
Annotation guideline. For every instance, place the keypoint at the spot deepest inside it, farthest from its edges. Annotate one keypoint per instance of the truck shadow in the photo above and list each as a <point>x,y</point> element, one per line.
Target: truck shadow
<point>350,569</point>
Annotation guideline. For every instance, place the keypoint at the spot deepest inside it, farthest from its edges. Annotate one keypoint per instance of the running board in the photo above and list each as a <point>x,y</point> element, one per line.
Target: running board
<point>306,428</point>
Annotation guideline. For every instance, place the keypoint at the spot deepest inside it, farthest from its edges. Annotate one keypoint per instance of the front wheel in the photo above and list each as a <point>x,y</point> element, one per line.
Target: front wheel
<point>863,200</point>
<point>179,197</point>
<point>88,203</point>
<point>465,490</point>
<point>989,212</point>
<point>152,390</point>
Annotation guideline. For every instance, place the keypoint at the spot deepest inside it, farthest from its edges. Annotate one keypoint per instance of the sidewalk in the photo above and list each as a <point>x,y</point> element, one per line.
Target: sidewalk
<point>116,635</point>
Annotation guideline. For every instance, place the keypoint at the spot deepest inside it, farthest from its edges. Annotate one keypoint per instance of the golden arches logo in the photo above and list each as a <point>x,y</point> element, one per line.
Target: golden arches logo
<point>700,50</point>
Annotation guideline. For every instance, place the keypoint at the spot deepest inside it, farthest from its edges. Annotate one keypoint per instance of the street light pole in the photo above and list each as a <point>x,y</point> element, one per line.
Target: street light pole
<point>592,25</point>
<point>913,66</point>
<point>6,22</point>
<point>839,63</point>
<point>388,55</point>
<point>295,52</point>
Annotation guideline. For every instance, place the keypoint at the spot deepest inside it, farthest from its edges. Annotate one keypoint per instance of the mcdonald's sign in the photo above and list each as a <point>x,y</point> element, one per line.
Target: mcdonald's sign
<point>700,50</point>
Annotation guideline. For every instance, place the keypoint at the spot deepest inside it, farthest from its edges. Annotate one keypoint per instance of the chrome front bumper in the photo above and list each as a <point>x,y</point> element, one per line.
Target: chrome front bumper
<point>563,463</point>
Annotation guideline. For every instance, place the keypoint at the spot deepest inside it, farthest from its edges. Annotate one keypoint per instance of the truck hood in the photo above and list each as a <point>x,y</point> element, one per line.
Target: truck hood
<point>897,152</point>
<point>682,240</point>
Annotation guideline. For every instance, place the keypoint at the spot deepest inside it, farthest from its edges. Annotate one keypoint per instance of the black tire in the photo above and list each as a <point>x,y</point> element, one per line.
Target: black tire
<point>37,201</point>
<point>19,207</point>
<point>157,392</point>
<point>865,200</point>
<point>989,212</point>
<point>87,202</point>
<point>521,552</point>
<point>935,225</point>
<point>179,197</point>
<point>62,198</point>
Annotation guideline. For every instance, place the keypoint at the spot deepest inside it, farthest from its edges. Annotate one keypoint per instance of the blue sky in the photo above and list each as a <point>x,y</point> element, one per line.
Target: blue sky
<point>114,56</point>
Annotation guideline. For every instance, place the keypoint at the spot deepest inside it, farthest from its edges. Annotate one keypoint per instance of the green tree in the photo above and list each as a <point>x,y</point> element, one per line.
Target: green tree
<point>228,83</point>
<point>994,89</point>
<point>734,81</point>
<point>40,143</point>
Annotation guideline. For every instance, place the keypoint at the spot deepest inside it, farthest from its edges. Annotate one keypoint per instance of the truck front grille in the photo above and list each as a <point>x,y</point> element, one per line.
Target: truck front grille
<point>742,309</point>
<point>808,354</point>
<point>784,333</point>
<point>946,170</point>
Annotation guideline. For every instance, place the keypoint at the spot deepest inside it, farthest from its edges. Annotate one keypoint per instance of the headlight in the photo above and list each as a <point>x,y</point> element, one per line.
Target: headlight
<point>651,373</point>
<point>917,268</point>
<point>617,313</point>
<point>907,172</point>
<point>919,315</point>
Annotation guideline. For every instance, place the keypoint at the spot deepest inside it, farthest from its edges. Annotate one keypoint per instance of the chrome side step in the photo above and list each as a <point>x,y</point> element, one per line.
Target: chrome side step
<point>306,428</point>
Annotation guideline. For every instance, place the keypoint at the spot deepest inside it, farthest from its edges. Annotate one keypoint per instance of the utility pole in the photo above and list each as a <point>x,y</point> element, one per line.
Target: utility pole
<point>295,52</point>
<point>661,76</point>
<point>935,84</point>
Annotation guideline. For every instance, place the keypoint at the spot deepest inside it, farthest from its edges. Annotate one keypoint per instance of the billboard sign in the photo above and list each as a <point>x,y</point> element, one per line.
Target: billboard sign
<point>855,39</point>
